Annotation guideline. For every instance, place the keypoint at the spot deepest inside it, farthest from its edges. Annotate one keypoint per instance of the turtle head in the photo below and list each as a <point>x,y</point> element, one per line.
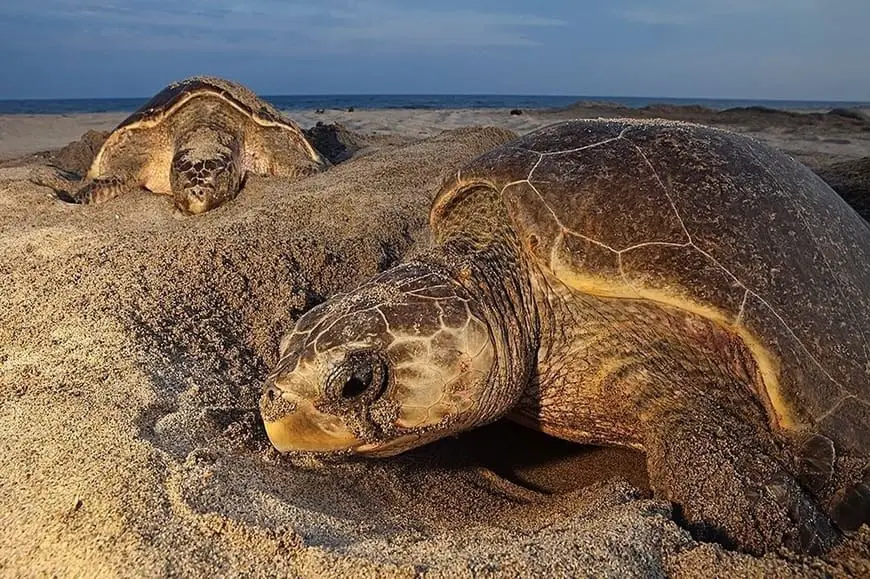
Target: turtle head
<point>205,171</point>
<point>401,361</point>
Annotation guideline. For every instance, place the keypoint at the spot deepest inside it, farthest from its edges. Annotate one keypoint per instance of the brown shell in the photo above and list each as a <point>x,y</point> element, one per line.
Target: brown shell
<point>712,222</point>
<point>135,139</point>
<point>165,101</point>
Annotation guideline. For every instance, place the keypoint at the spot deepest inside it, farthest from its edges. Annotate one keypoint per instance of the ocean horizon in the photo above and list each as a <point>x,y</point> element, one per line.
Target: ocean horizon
<point>417,101</point>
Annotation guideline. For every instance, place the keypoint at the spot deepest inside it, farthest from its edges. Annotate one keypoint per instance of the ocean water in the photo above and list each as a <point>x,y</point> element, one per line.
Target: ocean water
<point>308,102</point>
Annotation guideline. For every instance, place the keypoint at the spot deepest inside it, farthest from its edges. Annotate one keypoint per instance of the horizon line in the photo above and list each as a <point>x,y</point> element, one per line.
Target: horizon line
<point>472,94</point>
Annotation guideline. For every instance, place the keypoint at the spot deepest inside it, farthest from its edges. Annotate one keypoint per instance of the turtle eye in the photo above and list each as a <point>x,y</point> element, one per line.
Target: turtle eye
<point>358,382</point>
<point>361,373</point>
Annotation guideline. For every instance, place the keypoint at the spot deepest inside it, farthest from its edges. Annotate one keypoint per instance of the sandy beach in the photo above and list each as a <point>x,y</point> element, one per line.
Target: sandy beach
<point>134,342</point>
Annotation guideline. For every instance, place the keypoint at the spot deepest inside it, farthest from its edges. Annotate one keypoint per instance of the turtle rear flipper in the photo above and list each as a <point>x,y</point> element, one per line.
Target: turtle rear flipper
<point>722,467</point>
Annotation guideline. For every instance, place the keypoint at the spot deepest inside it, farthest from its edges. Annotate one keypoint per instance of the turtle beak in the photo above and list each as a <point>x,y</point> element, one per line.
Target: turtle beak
<point>294,424</point>
<point>195,200</point>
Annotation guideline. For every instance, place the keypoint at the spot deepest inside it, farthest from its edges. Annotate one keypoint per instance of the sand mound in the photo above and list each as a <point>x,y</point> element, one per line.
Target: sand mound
<point>335,141</point>
<point>851,179</point>
<point>133,343</point>
<point>77,156</point>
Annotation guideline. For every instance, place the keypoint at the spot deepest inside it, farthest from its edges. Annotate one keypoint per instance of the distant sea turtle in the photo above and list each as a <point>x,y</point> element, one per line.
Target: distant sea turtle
<point>658,285</point>
<point>196,140</point>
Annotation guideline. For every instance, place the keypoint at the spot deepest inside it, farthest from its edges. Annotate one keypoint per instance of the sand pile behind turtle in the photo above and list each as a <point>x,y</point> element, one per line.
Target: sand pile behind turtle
<point>133,343</point>
<point>851,179</point>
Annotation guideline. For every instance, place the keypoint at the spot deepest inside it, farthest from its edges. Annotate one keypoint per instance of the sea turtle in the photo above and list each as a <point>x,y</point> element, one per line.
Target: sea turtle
<point>196,140</point>
<point>658,285</point>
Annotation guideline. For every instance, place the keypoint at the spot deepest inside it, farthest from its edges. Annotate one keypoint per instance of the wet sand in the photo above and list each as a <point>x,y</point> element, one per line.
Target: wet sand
<point>133,342</point>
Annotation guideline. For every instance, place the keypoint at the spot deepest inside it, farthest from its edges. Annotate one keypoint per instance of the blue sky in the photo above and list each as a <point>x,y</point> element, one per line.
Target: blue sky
<point>790,49</point>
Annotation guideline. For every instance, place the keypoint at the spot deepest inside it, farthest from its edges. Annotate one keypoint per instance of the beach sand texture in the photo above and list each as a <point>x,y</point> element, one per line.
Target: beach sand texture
<point>133,344</point>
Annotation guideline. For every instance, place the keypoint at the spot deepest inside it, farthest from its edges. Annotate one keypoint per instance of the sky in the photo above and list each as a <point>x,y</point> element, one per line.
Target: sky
<point>757,49</point>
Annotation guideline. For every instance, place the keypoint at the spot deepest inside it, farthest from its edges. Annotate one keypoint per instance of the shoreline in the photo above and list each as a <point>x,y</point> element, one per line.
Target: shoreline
<point>305,102</point>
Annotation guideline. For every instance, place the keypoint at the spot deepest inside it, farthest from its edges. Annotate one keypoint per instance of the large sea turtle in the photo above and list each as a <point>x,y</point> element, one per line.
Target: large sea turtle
<point>196,140</point>
<point>664,286</point>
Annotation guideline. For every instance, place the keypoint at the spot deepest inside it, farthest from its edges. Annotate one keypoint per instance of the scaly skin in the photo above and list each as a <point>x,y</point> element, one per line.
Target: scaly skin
<point>633,373</point>
<point>88,192</point>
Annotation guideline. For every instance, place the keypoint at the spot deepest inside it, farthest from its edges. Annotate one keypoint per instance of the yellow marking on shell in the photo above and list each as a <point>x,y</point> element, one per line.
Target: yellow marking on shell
<point>94,170</point>
<point>768,365</point>
<point>452,192</point>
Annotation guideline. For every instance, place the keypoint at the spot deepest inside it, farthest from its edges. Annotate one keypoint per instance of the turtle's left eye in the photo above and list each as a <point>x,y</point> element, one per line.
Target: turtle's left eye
<point>360,374</point>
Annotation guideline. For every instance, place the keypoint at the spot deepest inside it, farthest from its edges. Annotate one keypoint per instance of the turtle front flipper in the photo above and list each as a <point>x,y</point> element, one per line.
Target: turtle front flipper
<point>99,191</point>
<point>714,456</point>
<point>62,183</point>
<point>84,192</point>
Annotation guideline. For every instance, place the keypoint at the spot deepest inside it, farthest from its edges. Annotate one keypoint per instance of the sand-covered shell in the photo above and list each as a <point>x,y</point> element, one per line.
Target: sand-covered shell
<point>137,135</point>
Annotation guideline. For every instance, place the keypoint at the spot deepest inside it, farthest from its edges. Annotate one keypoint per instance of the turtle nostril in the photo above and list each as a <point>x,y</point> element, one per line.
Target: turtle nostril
<point>272,393</point>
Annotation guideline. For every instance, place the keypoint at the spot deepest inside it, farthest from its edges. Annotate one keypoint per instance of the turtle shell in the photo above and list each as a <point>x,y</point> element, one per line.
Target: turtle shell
<point>711,222</point>
<point>180,92</point>
<point>137,127</point>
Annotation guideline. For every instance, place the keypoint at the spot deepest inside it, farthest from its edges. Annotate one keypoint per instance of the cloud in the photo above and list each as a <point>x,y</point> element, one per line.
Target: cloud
<point>681,12</point>
<point>328,25</point>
